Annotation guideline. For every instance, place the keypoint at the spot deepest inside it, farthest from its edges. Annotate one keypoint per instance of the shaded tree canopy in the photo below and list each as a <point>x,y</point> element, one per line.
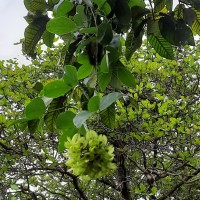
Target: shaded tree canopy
<point>107,109</point>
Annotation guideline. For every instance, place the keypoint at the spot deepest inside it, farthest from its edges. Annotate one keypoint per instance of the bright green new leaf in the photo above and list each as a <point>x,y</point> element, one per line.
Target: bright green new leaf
<point>70,76</point>
<point>107,100</point>
<point>56,89</point>
<point>35,109</point>
<point>81,118</point>
<point>65,120</point>
<point>93,104</point>
<point>61,25</point>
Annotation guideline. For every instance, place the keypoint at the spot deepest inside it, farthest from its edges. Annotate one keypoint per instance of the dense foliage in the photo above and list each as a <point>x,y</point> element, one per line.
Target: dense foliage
<point>99,115</point>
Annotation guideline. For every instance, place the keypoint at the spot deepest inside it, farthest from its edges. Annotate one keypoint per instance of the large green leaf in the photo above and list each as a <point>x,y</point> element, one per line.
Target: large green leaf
<point>125,76</point>
<point>56,89</point>
<point>35,109</point>
<point>65,120</point>
<point>61,25</point>
<point>176,32</point>
<point>162,47</point>
<point>70,76</point>
<point>33,34</point>
<point>81,118</point>
<point>108,116</point>
<point>103,6</point>
<point>54,109</point>
<point>109,99</point>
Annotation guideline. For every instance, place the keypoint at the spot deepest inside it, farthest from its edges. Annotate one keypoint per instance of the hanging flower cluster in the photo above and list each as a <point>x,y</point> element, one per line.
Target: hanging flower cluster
<point>90,156</point>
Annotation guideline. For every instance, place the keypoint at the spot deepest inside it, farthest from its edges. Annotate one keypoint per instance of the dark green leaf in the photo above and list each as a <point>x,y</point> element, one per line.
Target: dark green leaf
<point>65,120</point>
<point>54,109</point>
<point>162,47</point>
<point>32,35</point>
<point>133,43</point>
<point>33,125</point>
<point>108,116</point>
<point>48,38</point>
<point>38,6</point>
<point>56,89</point>
<point>126,77</point>
<point>196,24</point>
<point>61,25</point>
<point>159,5</point>
<point>169,5</point>
<point>35,109</point>
<point>104,35</point>
<point>38,86</point>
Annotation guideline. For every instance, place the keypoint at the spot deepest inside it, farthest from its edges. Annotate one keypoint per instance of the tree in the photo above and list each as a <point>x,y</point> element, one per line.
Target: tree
<point>101,87</point>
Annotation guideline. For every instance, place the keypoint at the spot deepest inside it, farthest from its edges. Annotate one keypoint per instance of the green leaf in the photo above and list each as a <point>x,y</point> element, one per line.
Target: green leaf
<point>81,118</point>
<point>27,4</point>
<point>93,104</point>
<point>196,24</point>
<point>104,80</point>
<point>169,5</point>
<point>38,6</point>
<point>162,47</point>
<point>63,138</point>
<point>108,116</point>
<point>159,5</point>
<point>139,3</point>
<point>54,109</point>
<point>48,38</point>
<point>126,77</point>
<point>107,100</point>
<point>61,9</point>
<point>122,12</point>
<point>33,125</point>
<point>91,30</point>
<point>65,120</point>
<point>38,86</point>
<point>35,109</point>
<point>33,34</point>
<point>56,89</point>
<point>61,25</point>
<point>104,68</point>
<point>105,34</point>
<point>84,71</point>
<point>133,43</point>
<point>14,187</point>
<point>70,76</point>
<point>80,18</point>
<point>103,6</point>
